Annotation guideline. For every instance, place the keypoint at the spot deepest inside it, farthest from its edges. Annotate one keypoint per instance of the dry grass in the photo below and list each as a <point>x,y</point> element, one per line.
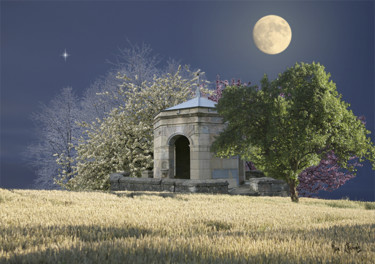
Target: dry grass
<point>125,227</point>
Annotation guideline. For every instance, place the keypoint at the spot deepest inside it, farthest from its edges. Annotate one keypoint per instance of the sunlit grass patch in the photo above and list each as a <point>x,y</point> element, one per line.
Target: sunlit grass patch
<point>152,227</point>
<point>6,195</point>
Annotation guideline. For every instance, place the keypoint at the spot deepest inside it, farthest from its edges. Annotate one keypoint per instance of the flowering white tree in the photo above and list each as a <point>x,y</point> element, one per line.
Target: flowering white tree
<point>138,63</point>
<point>56,129</point>
<point>53,139</point>
<point>123,141</point>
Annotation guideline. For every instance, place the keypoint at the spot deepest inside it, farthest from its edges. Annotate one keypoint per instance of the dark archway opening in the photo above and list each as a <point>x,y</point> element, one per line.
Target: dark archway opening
<point>182,158</point>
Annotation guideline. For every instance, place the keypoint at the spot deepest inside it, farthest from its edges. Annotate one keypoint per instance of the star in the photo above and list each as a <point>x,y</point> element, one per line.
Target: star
<point>65,55</point>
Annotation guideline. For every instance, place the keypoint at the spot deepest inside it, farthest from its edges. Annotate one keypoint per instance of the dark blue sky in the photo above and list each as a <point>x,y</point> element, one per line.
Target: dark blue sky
<point>215,36</point>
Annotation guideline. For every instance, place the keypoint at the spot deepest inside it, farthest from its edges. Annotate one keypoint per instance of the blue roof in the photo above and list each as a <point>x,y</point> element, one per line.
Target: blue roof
<point>195,102</point>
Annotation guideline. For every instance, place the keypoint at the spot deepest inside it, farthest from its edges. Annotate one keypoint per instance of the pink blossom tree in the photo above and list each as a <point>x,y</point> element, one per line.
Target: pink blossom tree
<point>220,86</point>
<point>326,176</point>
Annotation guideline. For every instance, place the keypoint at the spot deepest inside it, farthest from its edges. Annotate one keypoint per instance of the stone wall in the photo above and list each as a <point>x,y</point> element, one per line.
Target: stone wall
<point>121,183</point>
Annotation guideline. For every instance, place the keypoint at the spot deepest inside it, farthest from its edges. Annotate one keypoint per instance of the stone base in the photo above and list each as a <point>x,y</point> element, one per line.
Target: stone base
<point>267,186</point>
<point>121,183</point>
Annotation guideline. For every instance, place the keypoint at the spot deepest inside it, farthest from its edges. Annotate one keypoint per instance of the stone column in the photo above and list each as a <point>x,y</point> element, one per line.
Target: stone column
<point>200,157</point>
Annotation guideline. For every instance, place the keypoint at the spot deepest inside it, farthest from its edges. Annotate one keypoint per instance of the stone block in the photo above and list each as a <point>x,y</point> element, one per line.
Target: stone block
<point>232,183</point>
<point>139,184</point>
<point>203,129</point>
<point>196,174</point>
<point>200,155</point>
<point>115,186</point>
<point>115,177</point>
<point>147,174</point>
<point>202,186</point>
<point>168,185</point>
<point>230,175</point>
<point>200,164</point>
<point>163,154</point>
<point>220,174</point>
<point>253,186</point>
<point>233,173</point>
<point>267,186</point>
<point>230,163</point>
<point>216,163</point>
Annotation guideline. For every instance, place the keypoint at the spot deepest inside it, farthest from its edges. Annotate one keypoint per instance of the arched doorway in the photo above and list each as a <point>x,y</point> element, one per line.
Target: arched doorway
<point>182,151</point>
<point>180,157</point>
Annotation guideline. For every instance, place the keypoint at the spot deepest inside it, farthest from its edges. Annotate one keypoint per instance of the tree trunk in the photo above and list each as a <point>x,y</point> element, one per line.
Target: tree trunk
<point>293,191</point>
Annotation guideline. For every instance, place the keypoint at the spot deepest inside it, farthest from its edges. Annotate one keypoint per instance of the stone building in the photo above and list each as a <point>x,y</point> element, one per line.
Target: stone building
<point>183,135</point>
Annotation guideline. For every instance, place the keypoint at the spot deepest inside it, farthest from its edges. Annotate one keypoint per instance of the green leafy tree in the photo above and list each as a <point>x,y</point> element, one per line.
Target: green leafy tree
<point>123,141</point>
<point>291,124</point>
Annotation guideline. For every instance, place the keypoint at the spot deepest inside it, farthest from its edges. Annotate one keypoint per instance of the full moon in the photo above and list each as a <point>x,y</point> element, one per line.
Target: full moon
<point>272,34</point>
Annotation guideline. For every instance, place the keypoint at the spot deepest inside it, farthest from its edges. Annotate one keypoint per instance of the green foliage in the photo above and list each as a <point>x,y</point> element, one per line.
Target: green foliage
<point>351,204</point>
<point>291,123</point>
<point>369,206</point>
<point>341,204</point>
<point>123,141</point>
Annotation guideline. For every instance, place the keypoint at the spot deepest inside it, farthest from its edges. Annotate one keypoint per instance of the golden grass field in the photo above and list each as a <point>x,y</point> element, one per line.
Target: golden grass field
<point>144,227</point>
